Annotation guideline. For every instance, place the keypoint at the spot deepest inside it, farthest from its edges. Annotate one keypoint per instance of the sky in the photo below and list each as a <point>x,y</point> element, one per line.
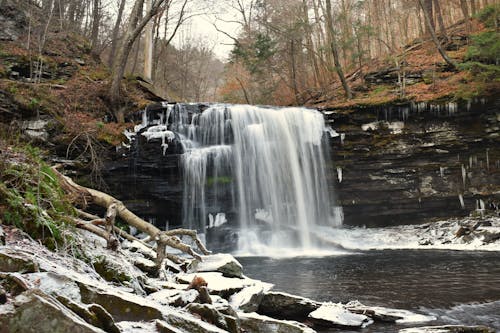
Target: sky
<point>202,27</point>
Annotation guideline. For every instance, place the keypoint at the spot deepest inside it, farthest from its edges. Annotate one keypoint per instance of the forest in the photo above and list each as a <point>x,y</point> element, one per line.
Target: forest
<point>283,52</point>
<point>249,166</point>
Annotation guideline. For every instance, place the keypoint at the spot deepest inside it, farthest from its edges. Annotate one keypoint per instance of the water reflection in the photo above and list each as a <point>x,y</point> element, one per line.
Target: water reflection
<point>441,282</point>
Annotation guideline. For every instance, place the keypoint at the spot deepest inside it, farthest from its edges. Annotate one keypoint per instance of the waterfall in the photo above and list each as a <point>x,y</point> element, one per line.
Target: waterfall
<point>265,166</point>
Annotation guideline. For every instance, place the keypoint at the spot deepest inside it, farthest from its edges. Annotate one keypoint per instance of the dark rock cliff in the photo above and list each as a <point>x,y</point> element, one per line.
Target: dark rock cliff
<point>390,165</point>
<point>406,164</point>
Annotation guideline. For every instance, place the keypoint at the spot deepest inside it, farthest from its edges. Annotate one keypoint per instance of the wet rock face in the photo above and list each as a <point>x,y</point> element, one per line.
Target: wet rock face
<point>402,165</point>
<point>390,165</point>
<point>34,311</point>
<point>13,21</point>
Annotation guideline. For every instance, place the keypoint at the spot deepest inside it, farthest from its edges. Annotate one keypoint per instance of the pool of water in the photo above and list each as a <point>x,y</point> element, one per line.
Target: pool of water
<point>458,287</point>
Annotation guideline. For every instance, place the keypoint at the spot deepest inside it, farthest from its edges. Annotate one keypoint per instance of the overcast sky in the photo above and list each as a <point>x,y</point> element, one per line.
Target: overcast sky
<point>202,27</point>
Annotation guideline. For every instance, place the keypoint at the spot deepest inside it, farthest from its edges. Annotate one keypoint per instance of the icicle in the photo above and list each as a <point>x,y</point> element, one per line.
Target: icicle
<point>470,162</point>
<point>342,137</point>
<point>461,199</point>
<point>464,174</point>
<point>487,159</point>
<point>339,174</point>
<point>482,207</point>
<point>441,171</point>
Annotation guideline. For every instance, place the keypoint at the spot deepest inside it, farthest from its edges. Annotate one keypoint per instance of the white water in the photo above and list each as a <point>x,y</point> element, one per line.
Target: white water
<point>259,161</point>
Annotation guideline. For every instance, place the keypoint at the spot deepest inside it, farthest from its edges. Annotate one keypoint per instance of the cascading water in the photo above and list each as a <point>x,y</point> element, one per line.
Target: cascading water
<point>264,166</point>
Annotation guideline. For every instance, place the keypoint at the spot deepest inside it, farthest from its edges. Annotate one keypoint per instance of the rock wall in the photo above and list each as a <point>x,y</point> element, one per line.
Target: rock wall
<point>390,165</point>
<point>405,164</point>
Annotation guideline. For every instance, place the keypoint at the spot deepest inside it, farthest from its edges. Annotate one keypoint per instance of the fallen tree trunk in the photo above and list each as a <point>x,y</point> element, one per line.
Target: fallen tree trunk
<point>115,208</point>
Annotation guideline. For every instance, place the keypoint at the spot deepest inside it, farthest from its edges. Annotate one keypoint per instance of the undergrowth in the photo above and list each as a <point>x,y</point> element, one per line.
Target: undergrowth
<point>483,55</point>
<point>31,197</point>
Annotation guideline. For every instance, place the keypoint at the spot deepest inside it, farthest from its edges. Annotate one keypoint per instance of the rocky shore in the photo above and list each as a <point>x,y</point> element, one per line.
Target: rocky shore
<point>86,287</point>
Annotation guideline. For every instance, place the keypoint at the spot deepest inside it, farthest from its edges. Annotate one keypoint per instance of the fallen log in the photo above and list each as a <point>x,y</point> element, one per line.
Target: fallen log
<point>115,208</point>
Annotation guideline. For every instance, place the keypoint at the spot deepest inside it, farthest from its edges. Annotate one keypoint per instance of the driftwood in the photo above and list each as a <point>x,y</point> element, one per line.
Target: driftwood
<point>115,208</point>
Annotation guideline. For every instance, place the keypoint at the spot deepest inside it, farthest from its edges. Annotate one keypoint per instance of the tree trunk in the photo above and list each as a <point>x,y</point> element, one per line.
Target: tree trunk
<point>96,21</point>
<point>134,30</point>
<point>334,49</point>
<point>447,59</point>
<point>116,208</point>
<point>116,31</point>
<point>465,11</point>
<point>439,16</point>
<point>429,12</point>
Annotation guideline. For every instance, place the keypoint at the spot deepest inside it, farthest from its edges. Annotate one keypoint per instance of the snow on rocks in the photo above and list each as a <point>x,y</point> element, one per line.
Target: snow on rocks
<point>55,285</point>
<point>448,329</point>
<point>223,286</point>
<point>337,315</point>
<point>224,263</point>
<point>287,306</point>
<point>255,323</point>
<point>387,314</point>
<point>174,297</point>
<point>249,299</point>
<point>34,311</point>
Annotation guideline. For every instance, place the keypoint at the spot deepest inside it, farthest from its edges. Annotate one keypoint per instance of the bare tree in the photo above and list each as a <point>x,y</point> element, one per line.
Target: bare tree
<point>447,59</point>
<point>334,49</point>
<point>134,29</point>
<point>116,31</point>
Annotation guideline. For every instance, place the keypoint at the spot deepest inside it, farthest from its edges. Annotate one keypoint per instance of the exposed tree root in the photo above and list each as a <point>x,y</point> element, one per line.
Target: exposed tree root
<point>83,196</point>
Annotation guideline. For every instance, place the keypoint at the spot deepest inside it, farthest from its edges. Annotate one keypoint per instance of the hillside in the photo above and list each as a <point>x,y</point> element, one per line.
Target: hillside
<point>423,75</point>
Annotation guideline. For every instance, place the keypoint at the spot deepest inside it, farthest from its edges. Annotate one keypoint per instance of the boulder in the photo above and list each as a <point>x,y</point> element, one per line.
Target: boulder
<point>174,297</point>
<point>286,306</point>
<point>336,315</point>
<point>110,270</point>
<point>121,305</point>
<point>211,314</point>
<point>11,261</point>
<point>255,323</point>
<point>187,323</point>
<point>448,329</point>
<point>55,285</point>
<point>248,299</point>
<point>146,265</point>
<point>221,262</point>
<point>141,327</point>
<point>219,285</point>
<point>93,314</point>
<point>34,311</point>
<point>163,327</point>
<point>386,314</point>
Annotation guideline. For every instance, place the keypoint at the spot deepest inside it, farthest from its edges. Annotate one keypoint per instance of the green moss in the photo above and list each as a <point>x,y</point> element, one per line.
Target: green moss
<point>489,15</point>
<point>485,47</point>
<point>109,272</point>
<point>31,197</point>
<point>218,180</point>
<point>484,72</point>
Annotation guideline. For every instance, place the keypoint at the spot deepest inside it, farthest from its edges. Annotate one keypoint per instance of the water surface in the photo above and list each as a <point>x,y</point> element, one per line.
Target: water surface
<point>459,287</point>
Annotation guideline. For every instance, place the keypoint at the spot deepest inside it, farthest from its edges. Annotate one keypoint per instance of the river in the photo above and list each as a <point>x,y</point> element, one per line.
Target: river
<point>458,287</point>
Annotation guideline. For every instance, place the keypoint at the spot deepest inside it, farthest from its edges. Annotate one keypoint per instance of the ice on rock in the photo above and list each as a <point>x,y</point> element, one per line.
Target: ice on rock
<point>387,314</point>
<point>220,219</point>
<point>174,297</point>
<point>254,322</point>
<point>335,314</point>
<point>221,262</point>
<point>217,283</point>
<point>249,298</point>
<point>447,329</point>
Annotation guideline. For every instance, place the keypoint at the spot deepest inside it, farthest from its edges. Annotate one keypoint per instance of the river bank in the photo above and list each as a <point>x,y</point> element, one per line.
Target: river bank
<point>94,289</point>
